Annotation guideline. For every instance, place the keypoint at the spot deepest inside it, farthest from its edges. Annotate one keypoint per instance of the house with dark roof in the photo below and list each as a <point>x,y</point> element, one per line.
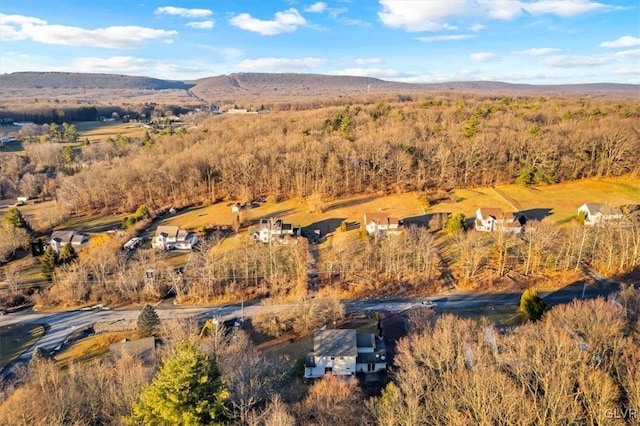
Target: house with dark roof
<point>173,238</point>
<point>60,239</point>
<point>139,348</point>
<point>344,353</point>
<point>274,229</point>
<point>598,214</point>
<point>491,219</point>
<point>381,223</point>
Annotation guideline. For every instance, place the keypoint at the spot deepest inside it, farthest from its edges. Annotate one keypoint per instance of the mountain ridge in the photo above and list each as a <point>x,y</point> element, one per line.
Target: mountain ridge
<point>285,85</point>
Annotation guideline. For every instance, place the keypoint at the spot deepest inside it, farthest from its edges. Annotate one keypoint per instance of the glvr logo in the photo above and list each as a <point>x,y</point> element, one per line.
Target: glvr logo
<point>621,413</point>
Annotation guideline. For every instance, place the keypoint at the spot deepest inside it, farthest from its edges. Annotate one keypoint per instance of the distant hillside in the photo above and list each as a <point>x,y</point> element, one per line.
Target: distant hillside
<point>295,85</point>
<point>31,91</point>
<point>66,80</point>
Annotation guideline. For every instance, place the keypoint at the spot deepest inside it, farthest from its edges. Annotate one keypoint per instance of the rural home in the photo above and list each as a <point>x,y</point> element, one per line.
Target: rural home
<point>494,219</point>
<point>274,229</point>
<point>381,223</point>
<point>60,239</point>
<point>344,353</point>
<point>173,238</point>
<point>597,214</point>
<point>139,348</point>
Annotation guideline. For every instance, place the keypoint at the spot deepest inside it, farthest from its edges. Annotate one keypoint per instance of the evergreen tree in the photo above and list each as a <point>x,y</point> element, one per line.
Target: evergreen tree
<point>14,219</point>
<point>147,321</point>
<point>455,223</point>
<point>531,305</point>
<point>48,262</point>
<point>67,254</point>
<point>187,390</point>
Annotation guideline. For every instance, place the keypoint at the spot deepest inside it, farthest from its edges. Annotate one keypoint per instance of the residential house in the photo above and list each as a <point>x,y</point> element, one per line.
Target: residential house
<point>494,219</point>
<point>173,238</point>
<point>60,239</point>
<point>274,229</point>
<point>344,353</point>
<point>139,348</point>
<point>598,214</point>
<point>381,223</point>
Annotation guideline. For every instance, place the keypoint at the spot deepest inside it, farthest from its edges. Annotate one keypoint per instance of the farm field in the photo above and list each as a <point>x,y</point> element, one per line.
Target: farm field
<point>97,131</point>
<point>559,201</point>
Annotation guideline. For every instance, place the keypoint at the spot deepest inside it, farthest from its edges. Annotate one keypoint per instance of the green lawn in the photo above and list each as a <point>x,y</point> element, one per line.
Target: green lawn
<point>15,339</point>
<point>559,202</point>
<point>502,315</point>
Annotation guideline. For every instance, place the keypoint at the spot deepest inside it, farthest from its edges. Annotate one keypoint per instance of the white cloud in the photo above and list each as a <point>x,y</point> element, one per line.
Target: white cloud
<point>628,53</point>
<point>450,37</point>
<point>564,8</point>
<point>20,20</point>
<point>628,71</point>
<point>482,56</point>
<point>368,72</point>
<point>413,15</point>
<point>318,7</point>
<point>185,13</point>
<point>477,27</point>
<point>624,41</point>
<point>15,27</point>
<point>420,16</point>
<point>566,61</point>
<point>536,51</point>
<point>284,22</point>
<point>354,22</point>
<point>285,63</point>
<point>201,25</point>
<point>368,61</point>
<point>501,9</point>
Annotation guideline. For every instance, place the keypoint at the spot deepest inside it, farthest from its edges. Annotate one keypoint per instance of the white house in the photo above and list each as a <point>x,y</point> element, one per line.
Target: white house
<point>344,353</point>
<point>494,219</point>
<point>382,223</point>
<point>173,238</point>
<point>597,214</point>
<point>60,239</point>
<point>273,229</point>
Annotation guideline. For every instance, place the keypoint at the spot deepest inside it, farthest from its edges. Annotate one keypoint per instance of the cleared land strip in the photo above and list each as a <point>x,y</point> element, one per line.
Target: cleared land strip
<point>513,204</point>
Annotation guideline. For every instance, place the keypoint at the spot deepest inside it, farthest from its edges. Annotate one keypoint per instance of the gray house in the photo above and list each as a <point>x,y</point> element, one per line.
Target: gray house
<point>344,353</point>
<point>60,239</point>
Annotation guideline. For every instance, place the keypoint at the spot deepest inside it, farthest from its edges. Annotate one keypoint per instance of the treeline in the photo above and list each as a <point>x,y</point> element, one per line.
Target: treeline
<point>578,365</point>
<point>60,114</point>
<point>102,275</point>
<point>363,148</point>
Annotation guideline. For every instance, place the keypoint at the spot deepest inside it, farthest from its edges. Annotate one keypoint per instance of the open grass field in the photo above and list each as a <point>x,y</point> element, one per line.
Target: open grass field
<point>350,209</point>
<point>91,348</point>
<point>15,339</point>
<point>98,131</point>
<point>501,315</point>
<point>559,202</point>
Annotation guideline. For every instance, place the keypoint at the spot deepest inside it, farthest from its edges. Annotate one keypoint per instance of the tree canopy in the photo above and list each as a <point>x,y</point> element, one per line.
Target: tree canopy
<point>147,321</point>
<point>531,305</point>
<point>187,390</point>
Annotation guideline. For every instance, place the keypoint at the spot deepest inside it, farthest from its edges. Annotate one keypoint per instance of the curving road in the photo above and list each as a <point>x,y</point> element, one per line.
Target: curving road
<point>62,324</point>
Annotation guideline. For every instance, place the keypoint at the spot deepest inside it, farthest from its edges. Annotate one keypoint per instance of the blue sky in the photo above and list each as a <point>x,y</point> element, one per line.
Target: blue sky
<point>518,41</point>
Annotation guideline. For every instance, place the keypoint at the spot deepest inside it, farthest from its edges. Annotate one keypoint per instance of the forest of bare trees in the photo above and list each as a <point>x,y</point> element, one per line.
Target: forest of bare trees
<point>336,151</point>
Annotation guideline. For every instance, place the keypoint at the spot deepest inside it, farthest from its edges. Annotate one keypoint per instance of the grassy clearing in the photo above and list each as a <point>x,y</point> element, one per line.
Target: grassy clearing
<point>91,348</point>
<point>501,315</point>
<point>560,201</point>
<point>15,339</point>
<point>97,131</point>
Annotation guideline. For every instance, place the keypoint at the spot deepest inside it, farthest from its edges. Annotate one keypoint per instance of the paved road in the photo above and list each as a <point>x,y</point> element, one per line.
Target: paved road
<point>62,324</point>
